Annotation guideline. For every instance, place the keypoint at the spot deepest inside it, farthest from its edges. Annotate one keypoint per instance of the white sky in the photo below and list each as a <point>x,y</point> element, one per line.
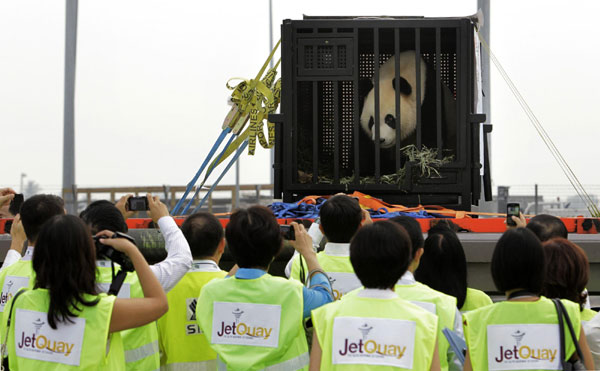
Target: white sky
<point>151,96</point>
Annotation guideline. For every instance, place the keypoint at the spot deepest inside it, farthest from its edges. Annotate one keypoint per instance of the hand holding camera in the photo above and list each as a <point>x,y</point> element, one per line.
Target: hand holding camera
<point>116,247</point>
<point>302,242</point>
<point>156,208</point>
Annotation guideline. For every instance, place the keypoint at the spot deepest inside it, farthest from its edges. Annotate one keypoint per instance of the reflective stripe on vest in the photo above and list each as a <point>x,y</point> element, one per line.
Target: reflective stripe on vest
<point>134,355</point>
<point>228,309</point>
<point>375,316</point>
<point>210,365</point>
<point>522,328</point>
<point>291,364</point>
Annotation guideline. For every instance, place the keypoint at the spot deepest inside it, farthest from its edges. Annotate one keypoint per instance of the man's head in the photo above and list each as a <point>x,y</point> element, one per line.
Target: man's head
<point>103,215</point>
<point>38,209</point>
<point>380,254</point>
<point>253,237</point>
<point>204,233</point>
<point>341,216</point>
<point>547,227</point>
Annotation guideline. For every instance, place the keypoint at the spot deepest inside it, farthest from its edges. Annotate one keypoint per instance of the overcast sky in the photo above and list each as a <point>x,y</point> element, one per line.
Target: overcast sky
<point>151,96</point>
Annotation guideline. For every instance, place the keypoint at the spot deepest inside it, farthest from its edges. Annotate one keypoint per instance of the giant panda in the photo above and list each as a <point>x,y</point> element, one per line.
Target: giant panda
<point>408,113</point>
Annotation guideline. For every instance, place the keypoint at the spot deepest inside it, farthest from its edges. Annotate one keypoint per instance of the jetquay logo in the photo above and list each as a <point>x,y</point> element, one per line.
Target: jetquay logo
<point>523,346</point>
<point>12,284</point>
<point>35,339</point>
<point>374,341</point>
<point>246,324</point>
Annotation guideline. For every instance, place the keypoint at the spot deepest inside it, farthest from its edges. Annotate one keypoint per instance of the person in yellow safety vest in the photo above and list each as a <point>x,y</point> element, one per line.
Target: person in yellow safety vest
<point>444,306</point>
<point>340,218</point>
<point>181,343</point>
<point>521,331</point>
<point>254,320</point>
<point>64,322</point>
<point>16,272</point>
<point>375,329</point>
<point>141,343</point>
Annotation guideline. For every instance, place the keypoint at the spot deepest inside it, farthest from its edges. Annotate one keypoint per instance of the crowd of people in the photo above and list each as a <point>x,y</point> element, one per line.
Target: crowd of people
<point>358,295</point>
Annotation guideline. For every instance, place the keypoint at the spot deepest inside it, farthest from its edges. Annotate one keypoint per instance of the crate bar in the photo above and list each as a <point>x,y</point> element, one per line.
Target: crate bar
<point>438,96</point>
<point>461,152</point>
<point>418,83</point>
<point>315,130</point>
<point>397,74</point>
<point>376,87</point>
<point>287,78</point>
<point>356,107</point>
<point>336,134</point>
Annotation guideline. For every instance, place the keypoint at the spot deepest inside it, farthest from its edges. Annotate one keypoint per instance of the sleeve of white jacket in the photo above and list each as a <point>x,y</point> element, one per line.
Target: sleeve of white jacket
<point>315,234</point>
<point>12,256</point>
<point>179,257</point>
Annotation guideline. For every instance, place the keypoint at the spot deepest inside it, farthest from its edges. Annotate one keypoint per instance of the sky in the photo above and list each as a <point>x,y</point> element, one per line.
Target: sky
<point>151,96</point>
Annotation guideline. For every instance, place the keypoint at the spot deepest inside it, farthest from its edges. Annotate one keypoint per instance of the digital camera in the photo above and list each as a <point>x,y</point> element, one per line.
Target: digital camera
<point>114,255</point>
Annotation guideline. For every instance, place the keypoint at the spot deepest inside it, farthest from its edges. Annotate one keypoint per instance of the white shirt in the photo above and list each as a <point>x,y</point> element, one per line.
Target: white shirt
<point>168,272</point>
<point>453,363</point>
<point>205,266</point>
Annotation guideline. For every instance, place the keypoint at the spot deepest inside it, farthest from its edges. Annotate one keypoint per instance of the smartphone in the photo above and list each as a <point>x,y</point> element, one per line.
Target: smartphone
<point>512,209</point>
<point>137,203</point>
<point>287,232</point>
<point>15,204</point>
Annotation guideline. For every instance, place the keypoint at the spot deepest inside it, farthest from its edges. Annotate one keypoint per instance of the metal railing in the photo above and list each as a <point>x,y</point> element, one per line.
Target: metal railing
<point>168,193</point>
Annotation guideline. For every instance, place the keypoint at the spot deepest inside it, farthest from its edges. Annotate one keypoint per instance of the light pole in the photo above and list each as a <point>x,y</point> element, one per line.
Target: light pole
<point>23,175</point>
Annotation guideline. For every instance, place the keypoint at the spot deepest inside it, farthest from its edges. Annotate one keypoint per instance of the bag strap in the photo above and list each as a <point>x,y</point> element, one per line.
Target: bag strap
<point>571,330</point>
<point>561,329</point>
<point>12,304</point>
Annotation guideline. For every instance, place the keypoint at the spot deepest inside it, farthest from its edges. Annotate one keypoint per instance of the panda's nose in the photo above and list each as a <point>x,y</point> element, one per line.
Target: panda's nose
<point>381,141</point>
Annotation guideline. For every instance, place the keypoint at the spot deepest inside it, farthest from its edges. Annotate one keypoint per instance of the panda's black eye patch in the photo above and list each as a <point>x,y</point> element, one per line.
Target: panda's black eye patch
<point>405,87</point>
<point>371,123</point>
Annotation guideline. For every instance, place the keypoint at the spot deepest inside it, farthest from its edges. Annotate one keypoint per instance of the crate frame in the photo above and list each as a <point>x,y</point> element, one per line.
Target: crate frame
<point>459,193</point>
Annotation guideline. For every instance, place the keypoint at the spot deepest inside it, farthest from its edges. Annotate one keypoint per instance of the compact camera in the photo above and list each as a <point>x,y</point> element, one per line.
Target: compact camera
<point>287,232</point>
<point>137,203</point>
<point>114,255</point>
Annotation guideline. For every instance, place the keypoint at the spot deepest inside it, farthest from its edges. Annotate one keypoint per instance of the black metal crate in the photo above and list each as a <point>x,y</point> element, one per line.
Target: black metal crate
<point>330,65</point>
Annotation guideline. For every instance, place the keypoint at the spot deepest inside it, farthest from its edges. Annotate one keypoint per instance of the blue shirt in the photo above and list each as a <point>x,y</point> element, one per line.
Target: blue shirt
<point>312,297</point>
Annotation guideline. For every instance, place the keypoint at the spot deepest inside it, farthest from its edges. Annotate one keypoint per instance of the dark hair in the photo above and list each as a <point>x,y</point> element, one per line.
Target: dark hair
<point>443,266</point>
<point>253,237</point>
<point>103,215</point>
<point>380,254</point>
<point>204,232</point>
<point>37,210</point>
<point>547,226</point>
<point>413,228</point>
<point>340,217</point>
<point>567,271</point>
<point>518,261</point>
<point>64,261</point>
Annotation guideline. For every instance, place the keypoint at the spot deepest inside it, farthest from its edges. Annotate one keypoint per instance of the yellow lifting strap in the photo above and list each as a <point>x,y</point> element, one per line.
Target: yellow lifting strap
<point>252,100</point>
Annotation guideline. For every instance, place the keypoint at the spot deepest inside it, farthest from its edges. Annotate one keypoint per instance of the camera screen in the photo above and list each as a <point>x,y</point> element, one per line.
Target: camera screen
<point>513,210</point>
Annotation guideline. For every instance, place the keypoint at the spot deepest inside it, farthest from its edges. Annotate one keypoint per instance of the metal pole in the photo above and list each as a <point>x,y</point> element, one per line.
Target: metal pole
<point>272,150</point>
<point>69,104</point>
<point>536,200</point>
<point>23,175</point>
<point>484,5</point>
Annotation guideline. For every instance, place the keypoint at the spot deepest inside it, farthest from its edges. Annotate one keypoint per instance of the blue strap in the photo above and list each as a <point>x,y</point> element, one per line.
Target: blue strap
<point>233,160</point>
<point>208,174</point>
<point>206,160</point>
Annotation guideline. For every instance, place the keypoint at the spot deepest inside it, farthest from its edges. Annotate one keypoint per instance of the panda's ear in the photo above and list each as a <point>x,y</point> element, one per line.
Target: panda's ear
<point>405,88</point>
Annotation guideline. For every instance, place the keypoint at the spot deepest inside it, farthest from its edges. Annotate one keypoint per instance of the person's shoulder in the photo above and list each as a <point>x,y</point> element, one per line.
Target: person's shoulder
<point>478,295</point>
<point>435,294</point>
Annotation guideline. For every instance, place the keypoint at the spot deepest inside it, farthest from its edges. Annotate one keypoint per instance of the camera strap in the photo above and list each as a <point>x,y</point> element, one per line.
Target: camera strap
<point>117,280</point>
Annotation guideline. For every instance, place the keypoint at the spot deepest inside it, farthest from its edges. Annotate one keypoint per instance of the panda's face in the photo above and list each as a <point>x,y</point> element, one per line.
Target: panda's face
<point>387,100</point>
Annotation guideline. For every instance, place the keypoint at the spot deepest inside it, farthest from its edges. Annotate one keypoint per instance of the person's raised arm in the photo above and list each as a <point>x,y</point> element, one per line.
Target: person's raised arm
<point>17,242</point>
<point>130,313</point>
<point>303,244</point>
<point>122,206</point>
<point>179,256</point>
